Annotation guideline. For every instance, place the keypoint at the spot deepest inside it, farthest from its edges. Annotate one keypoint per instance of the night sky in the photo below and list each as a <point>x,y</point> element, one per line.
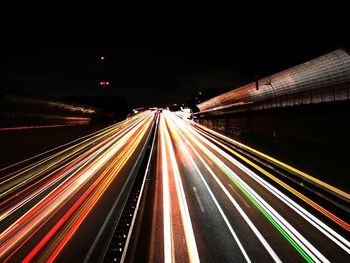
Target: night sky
<point>156,69</point>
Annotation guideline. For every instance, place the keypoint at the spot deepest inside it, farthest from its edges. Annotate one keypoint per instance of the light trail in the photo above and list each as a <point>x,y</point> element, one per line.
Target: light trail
<point>177,134</point>
<point>168,251</point>
<point>102,182</point>
<point>185,215</point>
<point>132,225</point>
<point>35,127</point>
<point>110,129</point>
<point>330,188</point>
<point>291,234</point>
<point>232,200</point>
<point>58,189</point>
<point>301,196</point>
<point>317,223</point>
<point>18,180</point>
<point>45,205</point>
<point>77,163</point>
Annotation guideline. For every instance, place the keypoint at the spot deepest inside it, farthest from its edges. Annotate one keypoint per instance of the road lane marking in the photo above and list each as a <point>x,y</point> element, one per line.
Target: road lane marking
<point>326,230</point>
<point>185,214</point>
<point>233,201</point>
<point>298,194</point>
<point>308,251</point>
<point>198,199</point>
<point>240,197</point>
<point>342,194</point>
<point>215,200</point>
<point>168,248</point>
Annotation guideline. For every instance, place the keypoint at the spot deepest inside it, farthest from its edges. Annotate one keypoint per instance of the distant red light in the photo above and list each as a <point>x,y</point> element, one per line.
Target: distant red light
<point>102,57</point>
<point>103,83</point>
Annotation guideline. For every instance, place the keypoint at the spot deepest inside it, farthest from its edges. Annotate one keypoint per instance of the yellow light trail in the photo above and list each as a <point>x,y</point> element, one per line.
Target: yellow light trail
<point>102,183</point>
<point>177,134</point>
<point>29,223</point>
<point>19,179</point>
<point>232,200</point>
<point>307,200</point>
<point>329,187</point>
<point>100,146</point>
<point>330,233</point>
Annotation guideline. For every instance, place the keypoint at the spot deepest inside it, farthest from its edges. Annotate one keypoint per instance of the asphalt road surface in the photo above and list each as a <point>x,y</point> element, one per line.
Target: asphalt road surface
<point>202,201</point>
<point>205,204</point>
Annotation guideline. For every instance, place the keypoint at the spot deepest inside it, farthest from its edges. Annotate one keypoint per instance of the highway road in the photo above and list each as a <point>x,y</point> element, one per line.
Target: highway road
<point>201,200</point>
<point>208,205</point>
<point>62,206</point>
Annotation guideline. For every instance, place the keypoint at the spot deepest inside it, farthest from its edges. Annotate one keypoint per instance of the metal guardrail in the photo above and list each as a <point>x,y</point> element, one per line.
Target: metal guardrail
<point>119,241</point>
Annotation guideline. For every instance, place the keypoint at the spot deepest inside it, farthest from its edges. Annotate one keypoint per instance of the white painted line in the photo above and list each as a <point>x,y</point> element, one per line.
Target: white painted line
<point>233,201</point>
<point>185,214</point>
<point>215,201</point>
<point>198,199</point>
<point>289,229</point>
<point>168,248</point>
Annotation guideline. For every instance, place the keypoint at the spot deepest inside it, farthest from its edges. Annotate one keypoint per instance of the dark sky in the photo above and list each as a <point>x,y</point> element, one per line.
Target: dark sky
<point>163,67</point>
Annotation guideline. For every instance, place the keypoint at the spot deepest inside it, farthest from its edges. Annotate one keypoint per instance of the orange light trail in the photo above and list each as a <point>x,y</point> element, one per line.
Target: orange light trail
<point>71,179</point>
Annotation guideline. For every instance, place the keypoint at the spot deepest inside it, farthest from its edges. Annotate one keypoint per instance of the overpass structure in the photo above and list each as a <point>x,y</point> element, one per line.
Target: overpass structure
<point>308,101</point>
<point>323,79</point>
